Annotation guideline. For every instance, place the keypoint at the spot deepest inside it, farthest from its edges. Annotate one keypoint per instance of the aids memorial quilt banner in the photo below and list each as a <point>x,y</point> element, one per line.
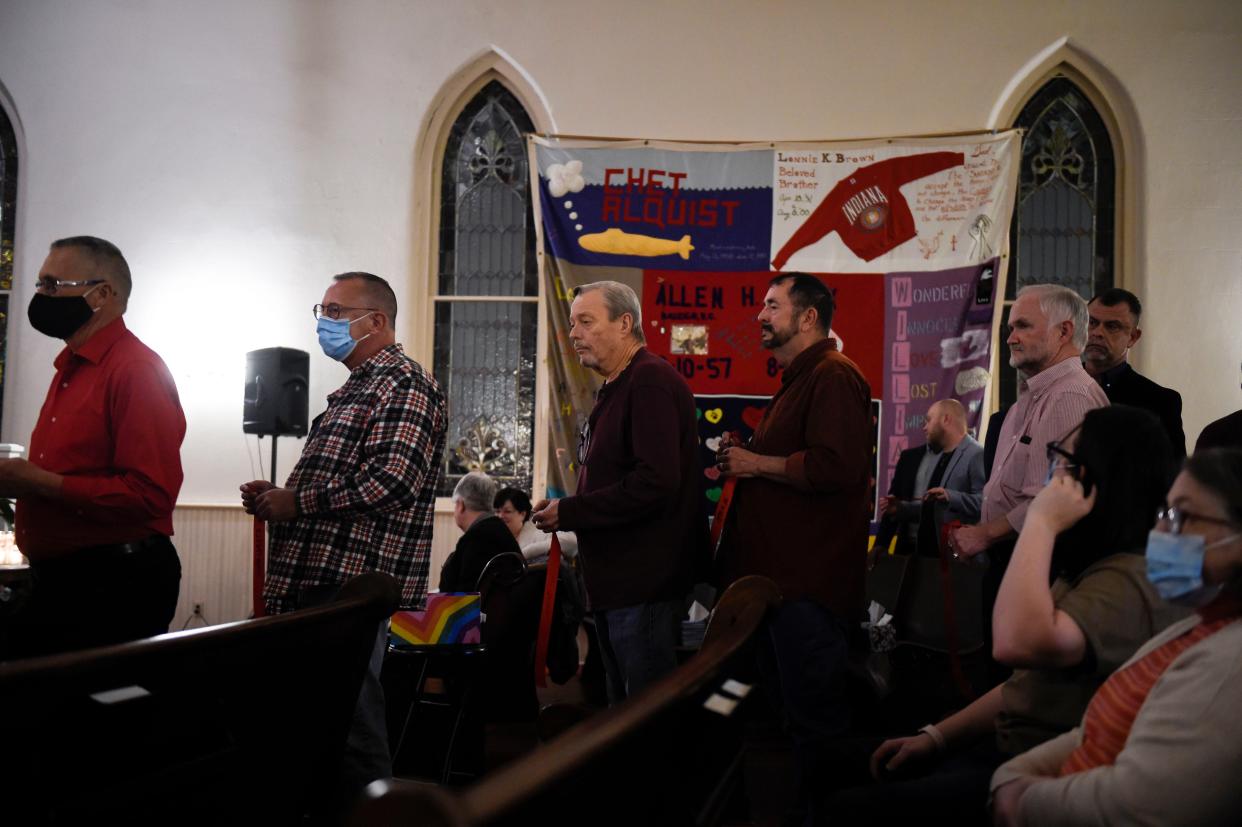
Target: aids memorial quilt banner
<point>907,233</point>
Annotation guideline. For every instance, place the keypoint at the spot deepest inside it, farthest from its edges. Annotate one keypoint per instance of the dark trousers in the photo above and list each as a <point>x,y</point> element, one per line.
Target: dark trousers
<point>803,655</point>
<point>998,562</point>
<point>366,757</point>
<point>954,792</point>
<point>96,597</point>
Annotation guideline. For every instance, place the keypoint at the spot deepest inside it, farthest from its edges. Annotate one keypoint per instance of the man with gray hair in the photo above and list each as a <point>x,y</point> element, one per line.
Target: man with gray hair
<point>485,537</point>
<point>96,496</point>
<point>642,533</point>
<point>1047,332</point>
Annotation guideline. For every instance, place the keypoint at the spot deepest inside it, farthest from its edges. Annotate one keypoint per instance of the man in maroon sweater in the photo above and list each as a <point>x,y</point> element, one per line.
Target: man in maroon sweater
<point>642,536</point>
<point>799,513</point>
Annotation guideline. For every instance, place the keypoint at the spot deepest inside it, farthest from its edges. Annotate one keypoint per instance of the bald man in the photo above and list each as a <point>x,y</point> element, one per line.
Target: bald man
<point>934,483</point>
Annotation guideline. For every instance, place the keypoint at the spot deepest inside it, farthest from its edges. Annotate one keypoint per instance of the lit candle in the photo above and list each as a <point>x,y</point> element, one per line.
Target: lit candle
<point>10,555</point>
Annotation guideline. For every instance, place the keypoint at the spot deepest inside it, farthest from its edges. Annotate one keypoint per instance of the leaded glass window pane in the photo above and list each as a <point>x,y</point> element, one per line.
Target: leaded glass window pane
<point>485,362</point>
<point>8,199</point>
<point>485,347</point>
<point>8,224</point>
<point>1063,226</point>
<point>487,237</point>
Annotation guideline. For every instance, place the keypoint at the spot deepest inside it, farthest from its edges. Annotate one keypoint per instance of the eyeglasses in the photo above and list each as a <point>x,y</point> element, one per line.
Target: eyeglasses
<point>584,443</point>
<point>333,311</point>
<point>1057,454</point>
<point>1177,517</point>
<point>50,285</point>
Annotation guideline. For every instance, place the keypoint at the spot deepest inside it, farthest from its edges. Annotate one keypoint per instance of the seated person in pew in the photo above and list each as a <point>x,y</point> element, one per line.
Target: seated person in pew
<point>1063,642</point>
<point>485,537</point>
<point>514,507</point>
<point>1161,740</point>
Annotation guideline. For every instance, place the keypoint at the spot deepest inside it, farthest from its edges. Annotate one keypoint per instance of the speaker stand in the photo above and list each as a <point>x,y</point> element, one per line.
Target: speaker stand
<point>274,438</point>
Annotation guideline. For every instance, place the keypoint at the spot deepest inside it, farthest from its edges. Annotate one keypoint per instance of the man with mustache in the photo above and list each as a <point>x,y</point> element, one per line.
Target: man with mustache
<point>1047,331</point>
<point>799,513</point>
<point>1112,329</point>
<point>642,536</point>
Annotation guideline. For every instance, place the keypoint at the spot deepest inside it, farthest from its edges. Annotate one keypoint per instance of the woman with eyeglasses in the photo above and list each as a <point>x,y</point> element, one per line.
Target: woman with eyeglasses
<point>1062,641</point>
<point>1161,740</point>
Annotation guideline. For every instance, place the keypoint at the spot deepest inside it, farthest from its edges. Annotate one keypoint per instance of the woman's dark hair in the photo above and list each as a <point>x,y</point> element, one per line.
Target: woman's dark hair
<point>517,496</point>
<point>1220,470</point>
<point>1128,459</point>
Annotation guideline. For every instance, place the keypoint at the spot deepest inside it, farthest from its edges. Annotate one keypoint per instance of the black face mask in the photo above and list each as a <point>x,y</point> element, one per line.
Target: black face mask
<point>57,317</point>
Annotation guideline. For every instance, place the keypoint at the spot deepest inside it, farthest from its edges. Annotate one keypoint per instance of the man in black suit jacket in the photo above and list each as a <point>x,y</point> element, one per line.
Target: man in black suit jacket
<point>894,519</point>
<point>1112,329</point>
<point>486,535</point>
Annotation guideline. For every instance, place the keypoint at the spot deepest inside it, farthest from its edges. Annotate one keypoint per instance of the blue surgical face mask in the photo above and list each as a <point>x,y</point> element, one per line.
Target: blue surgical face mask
<point>1175,567</point>
<point>334,337</point>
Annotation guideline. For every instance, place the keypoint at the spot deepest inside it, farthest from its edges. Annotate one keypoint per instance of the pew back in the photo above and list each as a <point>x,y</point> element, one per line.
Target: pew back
<point>660,757</point>
<point>239,723</point>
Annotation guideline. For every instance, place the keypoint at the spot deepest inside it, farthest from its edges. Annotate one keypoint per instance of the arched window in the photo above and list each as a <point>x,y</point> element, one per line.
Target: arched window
<point>1064,224</point>
<point>8,224</point>
<point>487,294</point>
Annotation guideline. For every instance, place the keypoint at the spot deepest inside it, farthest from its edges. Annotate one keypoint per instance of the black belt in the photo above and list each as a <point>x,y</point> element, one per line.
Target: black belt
<point>109,552</point>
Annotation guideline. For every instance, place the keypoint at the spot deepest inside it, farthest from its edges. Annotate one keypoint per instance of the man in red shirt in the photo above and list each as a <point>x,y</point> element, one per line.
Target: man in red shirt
<point>95,498</point>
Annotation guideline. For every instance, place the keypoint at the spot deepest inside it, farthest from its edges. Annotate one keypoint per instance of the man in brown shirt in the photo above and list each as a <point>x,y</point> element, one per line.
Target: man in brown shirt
<point>799,514</point>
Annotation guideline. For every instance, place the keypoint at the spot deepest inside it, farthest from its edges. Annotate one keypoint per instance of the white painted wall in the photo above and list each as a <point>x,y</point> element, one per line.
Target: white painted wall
<point>241,152</point>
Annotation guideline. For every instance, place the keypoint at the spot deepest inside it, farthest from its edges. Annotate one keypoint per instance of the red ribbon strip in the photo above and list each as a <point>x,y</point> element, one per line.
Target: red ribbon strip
<point>722,511</point>
<point>545,614</point>
<point>260,565</point>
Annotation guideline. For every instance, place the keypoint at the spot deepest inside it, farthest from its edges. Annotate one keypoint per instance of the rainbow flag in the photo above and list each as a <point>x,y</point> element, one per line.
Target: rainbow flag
<point>450,617</point>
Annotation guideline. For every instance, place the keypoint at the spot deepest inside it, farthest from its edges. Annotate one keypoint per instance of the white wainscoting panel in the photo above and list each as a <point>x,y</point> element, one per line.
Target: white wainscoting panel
<point>214,543</point>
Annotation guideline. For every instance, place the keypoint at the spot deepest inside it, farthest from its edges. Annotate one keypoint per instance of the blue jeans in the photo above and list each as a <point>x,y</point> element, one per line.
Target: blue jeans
<point>638,645</point>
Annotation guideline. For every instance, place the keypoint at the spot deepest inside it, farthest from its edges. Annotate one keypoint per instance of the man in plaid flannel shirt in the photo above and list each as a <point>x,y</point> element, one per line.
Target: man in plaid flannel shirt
<point>362,495</point>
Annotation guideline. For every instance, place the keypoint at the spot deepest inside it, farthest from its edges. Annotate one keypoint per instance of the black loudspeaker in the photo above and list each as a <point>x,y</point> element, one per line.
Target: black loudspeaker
<point>276,397</point>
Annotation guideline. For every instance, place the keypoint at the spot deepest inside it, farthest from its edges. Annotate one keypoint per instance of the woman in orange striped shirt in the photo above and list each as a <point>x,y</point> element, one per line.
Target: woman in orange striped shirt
<point>1161,741</point>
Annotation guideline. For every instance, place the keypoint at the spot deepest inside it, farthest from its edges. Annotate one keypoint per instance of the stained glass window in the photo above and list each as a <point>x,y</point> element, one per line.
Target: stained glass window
<point>8,222</point>
<point>488,289</point>
<point>1064,223</point>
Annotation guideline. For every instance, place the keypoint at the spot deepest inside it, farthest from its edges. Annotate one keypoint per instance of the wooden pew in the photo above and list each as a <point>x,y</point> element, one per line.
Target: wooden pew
<point>659,758</point>
<point>242,723</point>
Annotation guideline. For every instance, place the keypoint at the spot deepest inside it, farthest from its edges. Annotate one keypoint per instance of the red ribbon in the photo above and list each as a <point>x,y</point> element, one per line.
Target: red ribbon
<point>722,511</point>
<point>260,566</point>
<point>545,614</point>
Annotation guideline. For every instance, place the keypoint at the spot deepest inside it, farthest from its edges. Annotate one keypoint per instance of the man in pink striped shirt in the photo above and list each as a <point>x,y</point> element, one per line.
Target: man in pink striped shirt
<point>1047,331</point>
